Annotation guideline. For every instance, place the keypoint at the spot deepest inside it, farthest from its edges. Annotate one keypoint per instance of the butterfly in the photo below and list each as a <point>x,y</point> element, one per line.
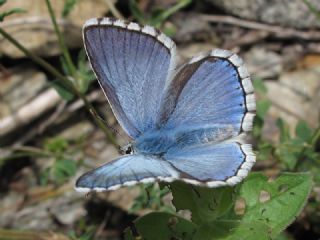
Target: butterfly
<point>189,123</point>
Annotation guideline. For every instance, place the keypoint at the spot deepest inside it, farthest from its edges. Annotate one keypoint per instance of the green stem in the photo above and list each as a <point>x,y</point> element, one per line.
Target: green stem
<point>99,121</point>
<point>62,43</point>
<point>65,82</point>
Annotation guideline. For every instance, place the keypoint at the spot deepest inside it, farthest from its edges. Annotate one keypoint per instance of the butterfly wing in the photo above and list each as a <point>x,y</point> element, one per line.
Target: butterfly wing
<point>210,107</point>
<point>210,93</point>
<point>213,165</point>
<point>125,171</point>
<point>132,64</point>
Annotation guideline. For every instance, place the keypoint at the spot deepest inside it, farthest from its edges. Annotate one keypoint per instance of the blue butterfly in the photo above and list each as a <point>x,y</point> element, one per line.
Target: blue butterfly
<point>189,125</point>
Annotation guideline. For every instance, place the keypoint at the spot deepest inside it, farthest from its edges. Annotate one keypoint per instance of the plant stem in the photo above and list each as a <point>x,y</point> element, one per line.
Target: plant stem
<point>64,49</point>
<point>65,82</point>
<point>98,121</point>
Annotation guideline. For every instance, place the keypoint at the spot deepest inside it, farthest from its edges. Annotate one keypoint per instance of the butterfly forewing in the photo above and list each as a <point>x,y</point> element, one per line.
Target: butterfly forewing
<point>132,64</point>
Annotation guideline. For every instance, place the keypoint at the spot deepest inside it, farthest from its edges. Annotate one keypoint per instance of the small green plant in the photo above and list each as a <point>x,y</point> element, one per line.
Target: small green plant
<point>10,12</point>
<point>62,166</point>
<point>295,152</point>
<point>151,197</point>
<point>255,209</point>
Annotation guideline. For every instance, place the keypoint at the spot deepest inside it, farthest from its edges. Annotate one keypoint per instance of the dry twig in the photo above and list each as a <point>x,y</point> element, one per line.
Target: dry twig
<point>280,32</point>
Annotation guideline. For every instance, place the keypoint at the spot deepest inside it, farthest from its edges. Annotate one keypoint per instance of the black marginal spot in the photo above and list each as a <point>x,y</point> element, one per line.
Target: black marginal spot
<point>244,160</point>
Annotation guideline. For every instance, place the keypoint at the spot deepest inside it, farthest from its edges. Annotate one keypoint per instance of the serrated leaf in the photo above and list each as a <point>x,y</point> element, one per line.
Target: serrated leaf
<point>205,204</point>
<point>161,226</point>
<point>287,196</point>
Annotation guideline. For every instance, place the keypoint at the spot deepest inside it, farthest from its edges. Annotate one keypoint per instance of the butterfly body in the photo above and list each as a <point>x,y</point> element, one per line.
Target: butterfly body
<point>189,124</point>
<point>154,142</point>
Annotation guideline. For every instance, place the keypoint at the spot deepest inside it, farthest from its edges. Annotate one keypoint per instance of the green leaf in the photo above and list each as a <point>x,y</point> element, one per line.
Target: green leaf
<point>2,2</point>
<point>284,130</point>
<point>150,197</point>
<point>260,86</point>
<point>136,12</point>
<point>205,204</point>
<point>85,75</point>
<point>264,151</point>
<point>161,226</point>
<point>286,195</point>
<point>10,12</point>
<point>68,6</point>
<point>56,145</point>
<point>289,152</point>
<point>233,230</point>
<point>303,131</point>
<point>63,92</point>
<point>262,108</point>
<point>257,127</point>
<point>63,169</point>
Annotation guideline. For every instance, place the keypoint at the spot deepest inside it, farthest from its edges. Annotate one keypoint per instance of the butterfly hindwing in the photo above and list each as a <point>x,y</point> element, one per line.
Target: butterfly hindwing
<point>132,64</point>
<point>213,165</point>
<point>125,171</point>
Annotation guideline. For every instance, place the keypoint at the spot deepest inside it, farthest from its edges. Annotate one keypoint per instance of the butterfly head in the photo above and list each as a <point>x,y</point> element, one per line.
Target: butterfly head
<point>127,149</point>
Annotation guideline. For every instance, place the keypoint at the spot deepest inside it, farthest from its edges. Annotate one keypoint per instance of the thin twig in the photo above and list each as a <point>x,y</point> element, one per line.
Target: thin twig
<point>281,32</point>
<point>62,79</point>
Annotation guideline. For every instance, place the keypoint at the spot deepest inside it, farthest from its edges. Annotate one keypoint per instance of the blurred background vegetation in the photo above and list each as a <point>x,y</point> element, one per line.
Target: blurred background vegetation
<point>55,123</point>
